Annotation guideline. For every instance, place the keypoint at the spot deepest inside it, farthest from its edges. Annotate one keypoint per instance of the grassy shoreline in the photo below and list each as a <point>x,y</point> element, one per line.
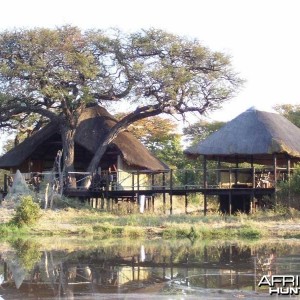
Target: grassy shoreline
<point>87,222</point>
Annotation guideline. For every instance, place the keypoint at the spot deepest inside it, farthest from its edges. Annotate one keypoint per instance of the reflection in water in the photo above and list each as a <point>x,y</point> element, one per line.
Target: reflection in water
<point>146,268</point>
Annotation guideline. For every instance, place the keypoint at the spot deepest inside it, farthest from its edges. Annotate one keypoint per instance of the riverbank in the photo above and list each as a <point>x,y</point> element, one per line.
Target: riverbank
<point>88,222</point>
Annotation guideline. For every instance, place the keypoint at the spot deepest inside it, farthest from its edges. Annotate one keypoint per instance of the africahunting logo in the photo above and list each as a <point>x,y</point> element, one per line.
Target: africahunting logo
<point>281,284</point>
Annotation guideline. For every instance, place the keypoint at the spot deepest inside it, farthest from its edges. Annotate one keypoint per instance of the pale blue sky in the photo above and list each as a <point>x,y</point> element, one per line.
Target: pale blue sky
<point>262,36</point>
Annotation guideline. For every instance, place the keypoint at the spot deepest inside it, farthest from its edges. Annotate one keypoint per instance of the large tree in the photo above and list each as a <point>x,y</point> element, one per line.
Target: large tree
<point>290,111</point>
<point>54,74</point>
<point>160,135</point>
<point>199,131</point>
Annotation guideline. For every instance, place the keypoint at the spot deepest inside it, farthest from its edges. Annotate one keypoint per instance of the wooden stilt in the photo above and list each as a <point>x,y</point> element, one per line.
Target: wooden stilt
<point>164,194</point>
<point>230,204</point>
<point>186,202</point>
<point>289,180</point>
<point>171,192</point>
<point>153,199</point>
<point>275,178</point>
<point>205,204</point>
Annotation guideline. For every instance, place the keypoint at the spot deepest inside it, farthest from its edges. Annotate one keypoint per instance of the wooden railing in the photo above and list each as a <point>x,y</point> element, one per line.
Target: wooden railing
<point>138,180</point>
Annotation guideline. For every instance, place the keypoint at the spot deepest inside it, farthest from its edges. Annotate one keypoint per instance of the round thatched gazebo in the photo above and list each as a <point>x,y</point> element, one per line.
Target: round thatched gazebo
<point>255,137</point>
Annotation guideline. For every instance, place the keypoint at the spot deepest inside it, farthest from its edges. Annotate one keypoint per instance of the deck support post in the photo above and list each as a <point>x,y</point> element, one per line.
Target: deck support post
<point>236,173</point>
<point>230,203</point>
<point>253,186</point>
<point>289,179</point>
<point>219,173</point>
<point>5,184</point>
<point>171,192</point>
<point>153,199</point>
<point>138,190</point>
<point>275,177</point>
<point>186,201</point>
<point>132,187</point>
<point>102,201</point>
<point>205,182</point>
<point>164,193</point>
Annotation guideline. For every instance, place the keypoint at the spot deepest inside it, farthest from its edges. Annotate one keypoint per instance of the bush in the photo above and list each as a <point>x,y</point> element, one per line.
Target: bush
<point>27,213</point>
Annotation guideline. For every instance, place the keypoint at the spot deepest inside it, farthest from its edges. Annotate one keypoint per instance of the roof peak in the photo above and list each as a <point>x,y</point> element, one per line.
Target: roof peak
<point>263,109</point>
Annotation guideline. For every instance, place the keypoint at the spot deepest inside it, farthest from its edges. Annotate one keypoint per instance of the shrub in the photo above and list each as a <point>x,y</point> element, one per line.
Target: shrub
<point>27,213</point>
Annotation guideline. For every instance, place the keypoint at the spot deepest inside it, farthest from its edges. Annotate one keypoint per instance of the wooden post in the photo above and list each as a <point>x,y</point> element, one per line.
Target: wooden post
<point>132,186</point>
<point>219,173</point>
<point>236,174</point>
<point>288,169</point>
<point>5,184</point>
<point>171,192</point>
<point>289,179</point>
<point>253,177</point>
<point>275,177</point>
<point>185,187</point>
<point>205,182</point>
<point>138,189</point>
<point>153,199</point>
<point>230,203</point>
<point>107,190</point>
<point>186,202</point>
<point>102,201</point>
<point>152,181</point>
<point>204,172</point>
<point>164,193</point>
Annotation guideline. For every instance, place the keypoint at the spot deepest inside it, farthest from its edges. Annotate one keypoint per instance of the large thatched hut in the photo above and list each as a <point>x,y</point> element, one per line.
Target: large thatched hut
<point>38,152</point>
<point>253,136</point>
<point>256,137</point>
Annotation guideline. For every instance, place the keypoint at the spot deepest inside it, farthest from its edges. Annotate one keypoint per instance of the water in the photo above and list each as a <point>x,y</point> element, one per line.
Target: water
<point>54,268</point>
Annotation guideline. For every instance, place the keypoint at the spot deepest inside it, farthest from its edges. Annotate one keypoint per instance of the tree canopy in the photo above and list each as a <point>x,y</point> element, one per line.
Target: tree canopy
<point>53,74</point>
<point>200,130</point>
<point>291,112</point>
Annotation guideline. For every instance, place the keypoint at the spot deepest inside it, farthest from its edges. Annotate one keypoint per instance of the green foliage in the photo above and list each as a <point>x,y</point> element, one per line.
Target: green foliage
<point>28,253</point>
<point>199,131</point>
<point>54,74</point>
<point>11,230</point>
<point>291,112</point>
<point>27,212</point>
<point>288,194</point>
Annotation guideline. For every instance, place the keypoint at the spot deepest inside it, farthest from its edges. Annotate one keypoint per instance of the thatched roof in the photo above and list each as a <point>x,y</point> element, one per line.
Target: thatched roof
<point>253,135</point>
<point>94,122</point>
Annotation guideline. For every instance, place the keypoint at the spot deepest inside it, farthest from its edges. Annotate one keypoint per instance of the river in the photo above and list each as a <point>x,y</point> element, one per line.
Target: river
<point>91,268</point>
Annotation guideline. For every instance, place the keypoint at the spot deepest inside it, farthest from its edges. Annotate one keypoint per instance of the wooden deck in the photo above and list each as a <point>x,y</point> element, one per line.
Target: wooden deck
<point>230,184</point>
<point>175,192</point>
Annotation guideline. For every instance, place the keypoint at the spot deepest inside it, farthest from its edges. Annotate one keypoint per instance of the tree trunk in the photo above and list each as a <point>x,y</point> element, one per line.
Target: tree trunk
<point>100,152</point>
<point>138,114</point>
<point>67,135</point>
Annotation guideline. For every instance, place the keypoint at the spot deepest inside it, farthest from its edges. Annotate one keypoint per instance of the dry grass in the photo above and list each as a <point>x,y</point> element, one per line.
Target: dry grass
<point>91,222</point>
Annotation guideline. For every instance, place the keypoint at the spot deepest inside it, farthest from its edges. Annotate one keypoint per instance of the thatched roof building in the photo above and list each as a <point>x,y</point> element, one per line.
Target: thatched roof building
<point>37,153</point>
<point>253,136</point>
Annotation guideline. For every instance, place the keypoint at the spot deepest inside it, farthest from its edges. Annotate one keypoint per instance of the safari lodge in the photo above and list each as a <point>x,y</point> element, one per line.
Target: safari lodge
<point>243,163</point>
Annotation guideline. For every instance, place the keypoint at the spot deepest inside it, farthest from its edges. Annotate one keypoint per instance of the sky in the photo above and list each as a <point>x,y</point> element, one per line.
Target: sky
<point>261,36</point>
